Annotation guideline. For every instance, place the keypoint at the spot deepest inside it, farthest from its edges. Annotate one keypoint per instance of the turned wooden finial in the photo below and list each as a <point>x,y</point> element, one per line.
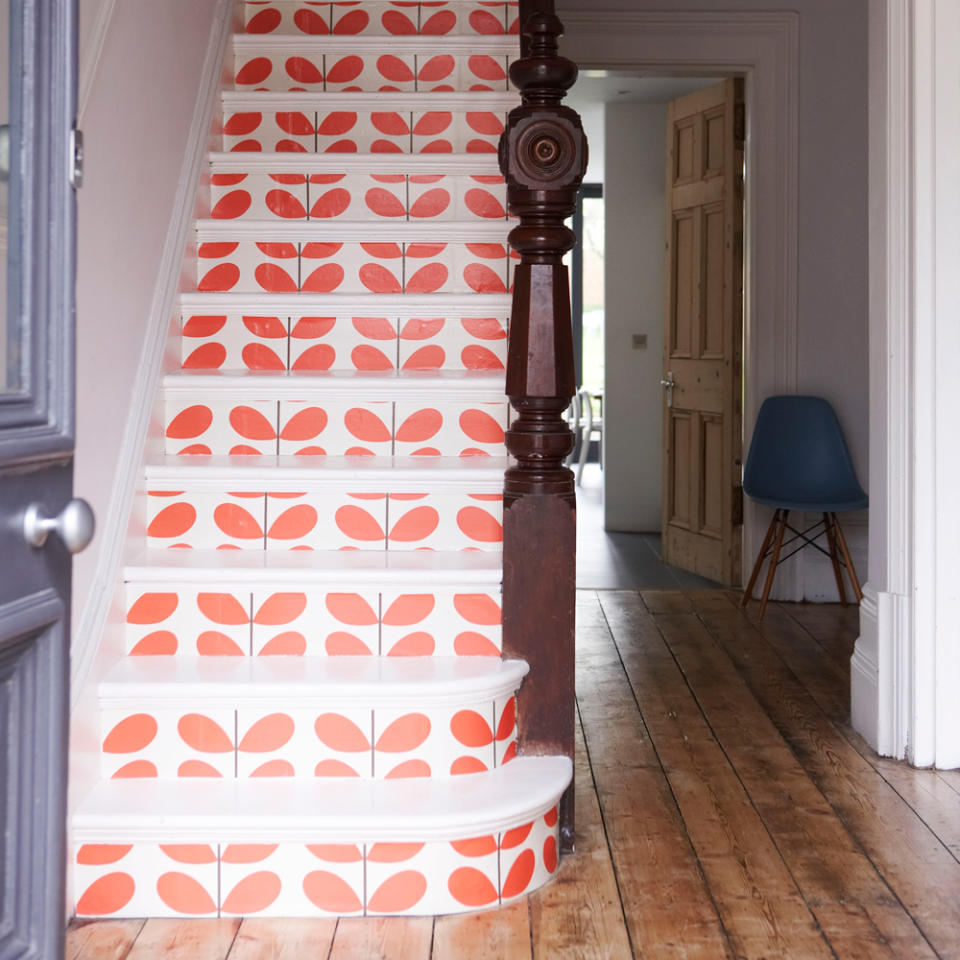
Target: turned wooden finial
<point>543,156</point>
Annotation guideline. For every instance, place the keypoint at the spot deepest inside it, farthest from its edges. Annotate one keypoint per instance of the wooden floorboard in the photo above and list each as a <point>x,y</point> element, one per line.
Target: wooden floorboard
<point>580,914</point>
<point>184,940</point>
<point>914,862</point>
<point>726,809</point>
<point>829,868</point>
<point>107,939</point>
<point>668,907</point>
<point>492,935</point>
<point>283,939</point>
<point>383,938</point>
<point>759,901</point>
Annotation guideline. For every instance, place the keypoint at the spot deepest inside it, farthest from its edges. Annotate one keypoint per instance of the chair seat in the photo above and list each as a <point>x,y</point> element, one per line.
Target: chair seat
<point>820,506</point>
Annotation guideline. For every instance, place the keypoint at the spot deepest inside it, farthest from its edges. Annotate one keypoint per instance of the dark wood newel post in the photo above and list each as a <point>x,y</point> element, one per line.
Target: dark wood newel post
<point>543,155</point>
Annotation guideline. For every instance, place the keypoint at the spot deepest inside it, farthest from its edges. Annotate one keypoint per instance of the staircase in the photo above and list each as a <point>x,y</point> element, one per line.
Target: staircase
<point>313,716</point>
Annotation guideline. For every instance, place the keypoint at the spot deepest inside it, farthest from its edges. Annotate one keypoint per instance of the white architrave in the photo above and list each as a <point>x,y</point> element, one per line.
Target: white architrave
<point>905,672</point>
<point>765,48</point>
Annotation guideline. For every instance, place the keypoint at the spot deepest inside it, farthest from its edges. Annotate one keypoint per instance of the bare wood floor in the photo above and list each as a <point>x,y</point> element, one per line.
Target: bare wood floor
<point>726,809</point>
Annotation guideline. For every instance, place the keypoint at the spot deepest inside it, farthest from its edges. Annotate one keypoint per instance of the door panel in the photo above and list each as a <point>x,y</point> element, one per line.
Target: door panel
<point>684,312</point>
<point>703,335</point>
<point>36,446</point>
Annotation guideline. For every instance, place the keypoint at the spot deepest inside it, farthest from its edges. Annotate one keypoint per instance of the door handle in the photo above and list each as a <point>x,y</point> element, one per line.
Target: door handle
<point>74,525</point>
<point>669,384</point>
<point>4,152</point>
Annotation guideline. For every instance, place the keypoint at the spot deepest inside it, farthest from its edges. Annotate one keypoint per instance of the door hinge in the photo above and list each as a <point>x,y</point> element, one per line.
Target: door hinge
<point>737,512</point>
<point>76,158</point>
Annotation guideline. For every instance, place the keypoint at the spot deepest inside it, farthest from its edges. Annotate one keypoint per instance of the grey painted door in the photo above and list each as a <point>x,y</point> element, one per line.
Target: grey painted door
<point>36,447</point>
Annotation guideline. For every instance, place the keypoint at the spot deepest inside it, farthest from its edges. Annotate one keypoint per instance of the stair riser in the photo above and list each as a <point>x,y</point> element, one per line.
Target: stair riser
<point>363,131</point>
<point>324,521</point>
<point>247,266</point>
<point>292,427</point>
<point>274,740</point>
<point>457,18</point>
<point>343,343</point>
<point>407,72</point>
<point>376,198</point>
<point>187,621</point>
<point>298,879</point>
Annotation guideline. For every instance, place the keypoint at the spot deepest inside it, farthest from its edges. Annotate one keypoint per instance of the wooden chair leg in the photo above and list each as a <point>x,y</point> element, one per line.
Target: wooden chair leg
<point>842,540</point>
<point>748,591</point>
<point>774,560</point>
<point>834,557</point>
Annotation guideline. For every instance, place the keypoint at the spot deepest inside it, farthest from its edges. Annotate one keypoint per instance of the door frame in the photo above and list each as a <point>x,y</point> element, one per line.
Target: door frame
<point>588,191</point>
<point>764,48</point>
<point>905,670</point>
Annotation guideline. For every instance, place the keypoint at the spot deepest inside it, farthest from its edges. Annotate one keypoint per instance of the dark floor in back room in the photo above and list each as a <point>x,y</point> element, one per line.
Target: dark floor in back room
<point>620,561</point>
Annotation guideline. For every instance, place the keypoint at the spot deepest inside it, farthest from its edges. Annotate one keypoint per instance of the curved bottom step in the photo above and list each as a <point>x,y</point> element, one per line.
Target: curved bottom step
<point>319,847</point>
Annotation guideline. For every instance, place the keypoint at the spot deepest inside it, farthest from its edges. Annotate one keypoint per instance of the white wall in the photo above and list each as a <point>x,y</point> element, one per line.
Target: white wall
<point>634,294</point>
<point>832,348</point>
<point>831,263</point>
<point>135,122</point>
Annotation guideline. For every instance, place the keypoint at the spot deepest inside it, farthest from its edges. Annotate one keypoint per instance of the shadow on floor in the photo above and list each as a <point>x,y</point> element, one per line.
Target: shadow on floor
<point>620,561</point>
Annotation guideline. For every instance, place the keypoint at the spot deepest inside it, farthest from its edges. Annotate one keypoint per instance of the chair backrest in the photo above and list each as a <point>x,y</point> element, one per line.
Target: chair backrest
<point>798,456</point>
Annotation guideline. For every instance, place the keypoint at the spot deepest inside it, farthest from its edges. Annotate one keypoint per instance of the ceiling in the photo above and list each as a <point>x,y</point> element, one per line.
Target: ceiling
<point>595,88</point>
<point>602,86</point>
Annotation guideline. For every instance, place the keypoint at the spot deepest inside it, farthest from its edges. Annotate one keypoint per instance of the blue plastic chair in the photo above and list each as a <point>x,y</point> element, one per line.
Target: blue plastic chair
<point>799,460</point>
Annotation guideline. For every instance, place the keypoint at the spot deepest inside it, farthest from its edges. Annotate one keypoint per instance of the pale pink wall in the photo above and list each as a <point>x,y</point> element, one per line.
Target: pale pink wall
<point>135,124</point>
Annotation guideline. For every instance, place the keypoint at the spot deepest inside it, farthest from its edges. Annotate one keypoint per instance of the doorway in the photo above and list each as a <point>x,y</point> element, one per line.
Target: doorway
<point>625,117</point>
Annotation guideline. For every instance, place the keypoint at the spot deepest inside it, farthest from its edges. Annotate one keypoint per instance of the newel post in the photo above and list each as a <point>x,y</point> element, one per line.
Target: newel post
<point>543,156</point>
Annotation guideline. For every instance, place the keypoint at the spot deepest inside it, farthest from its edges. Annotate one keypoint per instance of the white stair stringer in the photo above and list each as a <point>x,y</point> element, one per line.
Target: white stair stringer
<point>313,716</point>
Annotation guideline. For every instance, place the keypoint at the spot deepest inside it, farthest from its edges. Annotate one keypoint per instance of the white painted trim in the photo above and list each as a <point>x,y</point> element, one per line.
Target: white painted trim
<point>284,683</point>
<point>407,306</point>
<point>865,673</point>
<point>359,474</point>
<point>266,44</point>
<point>447,164</point>
<point>445,570</point>
<point>308,811</point>
<point>90,57</point>
<point>879,695</point>
<point>336,385</point>
<point>239,100</point>
<point>914,710</point>
<point>764,47</point>
<point>353,231</point>
<point>939,668</point>
<point>114,525</point>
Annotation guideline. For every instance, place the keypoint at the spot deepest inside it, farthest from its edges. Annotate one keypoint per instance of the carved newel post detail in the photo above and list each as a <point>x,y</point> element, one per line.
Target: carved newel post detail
<point>543,155</point>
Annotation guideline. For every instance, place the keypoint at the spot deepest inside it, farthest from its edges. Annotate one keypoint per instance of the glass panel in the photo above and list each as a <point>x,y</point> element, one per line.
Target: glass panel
<point>9,318</point>
<point>593,297</point>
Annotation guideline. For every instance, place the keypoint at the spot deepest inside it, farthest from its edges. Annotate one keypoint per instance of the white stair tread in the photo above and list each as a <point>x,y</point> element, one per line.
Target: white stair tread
<point>402,306</point>
<point>356,474</point>
<point>378,101</point>
<point>288,682</point>
<point>311,811</point>
<point>449,164</point>
<point>355,231</point>
<point>301,570</point>
<point>426,385</point>
<point>262,44</point>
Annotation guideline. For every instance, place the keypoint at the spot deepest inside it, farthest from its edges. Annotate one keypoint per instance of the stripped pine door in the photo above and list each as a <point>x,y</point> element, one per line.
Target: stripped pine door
<point>702,495</point>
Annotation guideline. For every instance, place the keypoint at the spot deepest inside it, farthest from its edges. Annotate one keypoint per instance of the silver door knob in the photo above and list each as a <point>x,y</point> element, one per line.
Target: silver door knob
<point>74,526</point>
<point>669,384</point>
